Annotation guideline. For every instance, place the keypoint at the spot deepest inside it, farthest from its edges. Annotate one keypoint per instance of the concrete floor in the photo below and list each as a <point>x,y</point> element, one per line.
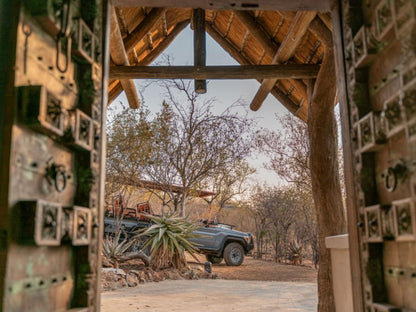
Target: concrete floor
<point>213,295</point>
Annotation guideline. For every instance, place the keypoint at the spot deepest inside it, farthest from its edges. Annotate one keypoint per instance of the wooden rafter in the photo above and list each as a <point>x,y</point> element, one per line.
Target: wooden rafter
<point>149,58</point>
<point>268,44</point>
<point>143,28</point>
<point>317,27</point>
<point>286,50</point>
<point>286,71</point>
<point>234,52</point>
<point>119,57</point>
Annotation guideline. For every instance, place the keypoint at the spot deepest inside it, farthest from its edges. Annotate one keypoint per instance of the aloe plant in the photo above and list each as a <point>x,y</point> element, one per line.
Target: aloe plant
<point>114,247</point>
<point>168,239</point>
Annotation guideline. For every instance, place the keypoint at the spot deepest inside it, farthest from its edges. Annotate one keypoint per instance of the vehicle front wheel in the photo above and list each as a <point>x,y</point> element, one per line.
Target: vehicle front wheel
<point>234,254</point>
<point>213,259</point>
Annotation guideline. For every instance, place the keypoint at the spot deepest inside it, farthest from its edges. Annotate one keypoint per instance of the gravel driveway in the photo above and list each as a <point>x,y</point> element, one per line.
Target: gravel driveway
<point>213,295</point>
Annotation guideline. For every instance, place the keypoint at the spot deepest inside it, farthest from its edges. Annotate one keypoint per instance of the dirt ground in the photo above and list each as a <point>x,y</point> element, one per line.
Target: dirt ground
<point>255,286</point>
<point>261,270</point>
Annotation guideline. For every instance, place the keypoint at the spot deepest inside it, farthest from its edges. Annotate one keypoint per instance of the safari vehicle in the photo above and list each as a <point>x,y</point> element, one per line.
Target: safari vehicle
<point>216,240</point>
<point>220,241</point>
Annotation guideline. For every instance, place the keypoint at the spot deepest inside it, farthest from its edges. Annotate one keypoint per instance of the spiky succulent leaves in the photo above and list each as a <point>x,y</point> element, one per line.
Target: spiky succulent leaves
<point>168,238</point>
<point>114,247</point>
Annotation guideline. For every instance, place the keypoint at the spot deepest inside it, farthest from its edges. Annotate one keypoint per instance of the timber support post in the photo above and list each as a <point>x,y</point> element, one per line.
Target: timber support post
<point>326,189</point>
<point>199,46</point>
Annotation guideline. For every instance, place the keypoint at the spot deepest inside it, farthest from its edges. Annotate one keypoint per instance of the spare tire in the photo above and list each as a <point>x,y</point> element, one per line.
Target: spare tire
<point>234,254</point>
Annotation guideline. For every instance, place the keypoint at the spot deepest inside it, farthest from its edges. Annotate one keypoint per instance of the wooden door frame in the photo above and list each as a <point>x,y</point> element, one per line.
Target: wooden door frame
<point>9,18</point>
<point>335,7</point>
<point>353,233</point>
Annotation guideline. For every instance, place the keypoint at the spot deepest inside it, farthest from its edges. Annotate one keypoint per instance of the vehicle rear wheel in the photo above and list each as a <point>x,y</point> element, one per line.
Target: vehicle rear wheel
<point>214,259</point>
<point>234,254</point>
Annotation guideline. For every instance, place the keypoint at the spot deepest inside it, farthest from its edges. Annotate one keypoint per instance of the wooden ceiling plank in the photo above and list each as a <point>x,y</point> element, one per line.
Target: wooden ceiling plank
<point>269,5</point>
<point>286,71</point>
<point>286,50</point>
<point>143,28</point>
<point>119,57</point>
<point>233,51</point>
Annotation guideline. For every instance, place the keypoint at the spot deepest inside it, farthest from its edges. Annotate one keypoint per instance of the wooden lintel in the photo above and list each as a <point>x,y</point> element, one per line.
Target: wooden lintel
<point>268,44</point>
<point>270,5</point>
<point>143,28</point>
<point>198,18</point>
<point>286,50</point>
<point>286,71</point>
<point>119,57</point>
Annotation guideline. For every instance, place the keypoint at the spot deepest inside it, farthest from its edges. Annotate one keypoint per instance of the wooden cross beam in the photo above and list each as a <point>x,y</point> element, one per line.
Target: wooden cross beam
<point>286,71</point>
<point>199,46</point>
<point>286,50</point>
<point>119,57</point>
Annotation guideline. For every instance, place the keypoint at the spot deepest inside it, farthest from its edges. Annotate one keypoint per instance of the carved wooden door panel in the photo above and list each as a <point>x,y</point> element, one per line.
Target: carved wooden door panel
<point>52,229</point>
<point>380,59</point>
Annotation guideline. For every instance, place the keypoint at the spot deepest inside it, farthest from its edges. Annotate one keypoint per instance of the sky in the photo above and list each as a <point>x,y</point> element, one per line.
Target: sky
<point>225,92</point>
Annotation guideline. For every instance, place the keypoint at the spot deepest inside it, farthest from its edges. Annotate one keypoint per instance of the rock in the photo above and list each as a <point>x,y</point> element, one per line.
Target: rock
<point>132,280</point>
<point>112,280</point>
<point>135,272</point>
<point>116,271</point>
<point>158,277</point>
<point>172,274</point>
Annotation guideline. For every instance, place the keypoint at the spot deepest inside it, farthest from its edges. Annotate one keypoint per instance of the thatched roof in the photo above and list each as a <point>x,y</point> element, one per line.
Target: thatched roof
<point>250,37</point>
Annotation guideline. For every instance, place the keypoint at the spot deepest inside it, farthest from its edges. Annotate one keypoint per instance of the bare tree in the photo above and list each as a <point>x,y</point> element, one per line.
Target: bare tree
<point>184,145</point>
<point>288,151</point>
<point>227,183</point>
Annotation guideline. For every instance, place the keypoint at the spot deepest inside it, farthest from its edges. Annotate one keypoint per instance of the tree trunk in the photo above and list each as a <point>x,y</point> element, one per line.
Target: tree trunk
<point>182,211</point>
<point>324,170</point>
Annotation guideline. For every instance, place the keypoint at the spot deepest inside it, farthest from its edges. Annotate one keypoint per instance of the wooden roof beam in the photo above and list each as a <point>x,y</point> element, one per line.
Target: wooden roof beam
<point>286,50</point>
<point>268,5</point>
<point>143,28</point>
<point>285,71</point>
<point>119,57</point>
<point>235,53</point>
<point>149,58</point>
<point>267,42</point>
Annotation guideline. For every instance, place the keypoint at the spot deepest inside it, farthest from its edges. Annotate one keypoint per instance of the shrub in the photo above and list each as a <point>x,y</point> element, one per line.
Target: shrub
<point>114,248</point>
<point>168,239</point>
